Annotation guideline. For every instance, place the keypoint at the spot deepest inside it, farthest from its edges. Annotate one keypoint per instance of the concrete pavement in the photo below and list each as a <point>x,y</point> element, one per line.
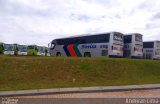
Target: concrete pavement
<point>78,90</point>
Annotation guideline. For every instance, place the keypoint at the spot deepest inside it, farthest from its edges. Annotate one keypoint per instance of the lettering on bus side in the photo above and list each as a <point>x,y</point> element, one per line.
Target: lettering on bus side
<point>149,51</point>
<point>88,46</point>
<point>118,37</point>
<point>104,46</point>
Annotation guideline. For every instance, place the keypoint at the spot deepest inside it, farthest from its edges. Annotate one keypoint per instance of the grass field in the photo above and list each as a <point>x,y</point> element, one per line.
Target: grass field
<point>18,73</point>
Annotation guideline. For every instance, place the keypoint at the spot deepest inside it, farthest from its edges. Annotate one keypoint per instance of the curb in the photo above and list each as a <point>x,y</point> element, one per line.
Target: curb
<point>78,90</point>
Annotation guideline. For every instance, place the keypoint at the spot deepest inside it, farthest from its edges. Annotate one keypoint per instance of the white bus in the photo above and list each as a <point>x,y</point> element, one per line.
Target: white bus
<point>151,50</point>
<point>22,49</point>
<point>133,45</point>
<point>41,51</point>
<point>9,49</point>
<point>90,45</point>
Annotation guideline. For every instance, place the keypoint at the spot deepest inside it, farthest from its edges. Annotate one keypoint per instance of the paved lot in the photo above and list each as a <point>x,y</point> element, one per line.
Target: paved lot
<point>124,94</point>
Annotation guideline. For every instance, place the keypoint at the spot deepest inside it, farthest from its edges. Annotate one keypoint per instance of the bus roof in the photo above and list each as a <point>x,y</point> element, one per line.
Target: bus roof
<point>8,44</point>
<point>132,34</point>
<point>32,45</point>
<point>88,35</point>
<point>152,41</point>
<point>41,46</point>
<point>23,44</point>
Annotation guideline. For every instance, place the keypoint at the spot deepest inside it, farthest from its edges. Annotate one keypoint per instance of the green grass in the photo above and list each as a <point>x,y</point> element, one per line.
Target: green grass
<point>28,72</point>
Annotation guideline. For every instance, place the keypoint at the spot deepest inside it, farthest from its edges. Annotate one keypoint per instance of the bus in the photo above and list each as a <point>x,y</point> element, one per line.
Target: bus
<point>151,50</point>
<point>36,50</point>
<point>41,51</point>
<point>90,45</point>
<point>1,48</point>
<point>9,49</point>
<point>22,49</point>
<point>133,45</point>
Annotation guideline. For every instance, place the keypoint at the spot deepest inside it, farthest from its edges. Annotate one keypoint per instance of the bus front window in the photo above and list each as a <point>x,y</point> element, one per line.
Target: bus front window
<point>52,45</point>
<point>118,37</point>
<point>31,47</point>
<point>41,49</point>
<point>138,37</point>
<point>8,47</point>
<point>22,48</point>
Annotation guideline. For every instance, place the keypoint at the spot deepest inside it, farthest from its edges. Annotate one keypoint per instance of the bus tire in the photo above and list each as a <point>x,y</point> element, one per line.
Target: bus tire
<point>87,54</point>
<point>58,54</point>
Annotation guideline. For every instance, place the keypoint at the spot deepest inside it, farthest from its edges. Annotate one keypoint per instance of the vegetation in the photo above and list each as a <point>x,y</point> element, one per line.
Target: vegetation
<point>36,72</point>
<point>1,48</point>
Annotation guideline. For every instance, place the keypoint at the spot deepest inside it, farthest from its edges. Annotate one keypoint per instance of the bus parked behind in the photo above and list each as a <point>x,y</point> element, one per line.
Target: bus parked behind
<point>9,49</point>
<point>22,49</point>
<point>151,50</point>
<point>41,50</point>
<point>133,45</point>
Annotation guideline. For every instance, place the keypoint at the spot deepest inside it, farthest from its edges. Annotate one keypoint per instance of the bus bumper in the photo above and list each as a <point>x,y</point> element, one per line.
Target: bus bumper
<point>9,52</point>
<point>137,57</point>
<point>156,58</point>
<point>115,56</point>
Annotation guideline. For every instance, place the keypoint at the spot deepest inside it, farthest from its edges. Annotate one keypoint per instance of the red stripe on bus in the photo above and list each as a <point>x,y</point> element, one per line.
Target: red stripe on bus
<point>71,50</point>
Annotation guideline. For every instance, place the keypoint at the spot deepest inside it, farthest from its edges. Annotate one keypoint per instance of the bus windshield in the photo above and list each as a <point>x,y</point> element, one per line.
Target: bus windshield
<point>118,37</point>
<point>8,47</point>
<point>52,44</point>
<point>31,47</point>
<point>158,43</point>
<point>138,37</point>
<point>22,48</point>
<point>41,49</point>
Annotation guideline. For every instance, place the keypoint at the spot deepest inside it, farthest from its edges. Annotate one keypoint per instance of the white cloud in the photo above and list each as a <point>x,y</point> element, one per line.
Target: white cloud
<point>40,21</point>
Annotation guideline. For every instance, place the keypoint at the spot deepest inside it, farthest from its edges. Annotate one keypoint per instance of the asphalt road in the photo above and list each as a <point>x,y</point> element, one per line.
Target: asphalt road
<point>121,97</point>
<point>124,94</point>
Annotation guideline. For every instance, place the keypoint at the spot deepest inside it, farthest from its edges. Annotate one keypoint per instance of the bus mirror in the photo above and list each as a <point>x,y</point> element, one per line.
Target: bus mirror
<point>49,44</point>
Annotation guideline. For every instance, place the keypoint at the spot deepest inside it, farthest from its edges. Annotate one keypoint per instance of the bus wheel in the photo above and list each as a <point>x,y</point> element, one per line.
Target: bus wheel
<point>58,54</point>
<point>87,54</point>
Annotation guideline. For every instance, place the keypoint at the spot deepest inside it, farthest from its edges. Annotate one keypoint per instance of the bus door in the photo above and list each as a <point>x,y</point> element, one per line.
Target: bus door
<point>127,51</point>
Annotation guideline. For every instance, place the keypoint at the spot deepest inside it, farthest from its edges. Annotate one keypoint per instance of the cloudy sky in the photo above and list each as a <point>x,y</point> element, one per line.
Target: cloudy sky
<point>40,21</point>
